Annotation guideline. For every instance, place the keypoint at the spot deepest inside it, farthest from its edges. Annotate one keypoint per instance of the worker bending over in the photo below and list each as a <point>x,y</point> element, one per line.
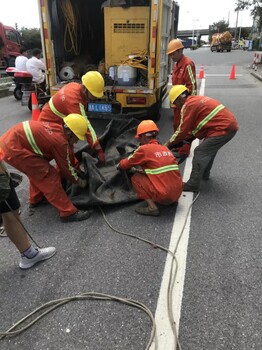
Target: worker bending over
<point>74,98</point>
<point>15,230</point>
<point>184,73</point>
<point>30,146</point>
<point>204,118</point>
<point>159,180</point>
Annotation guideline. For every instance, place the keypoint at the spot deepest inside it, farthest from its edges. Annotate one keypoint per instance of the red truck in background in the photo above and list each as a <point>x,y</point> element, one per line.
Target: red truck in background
<point>10,43</point>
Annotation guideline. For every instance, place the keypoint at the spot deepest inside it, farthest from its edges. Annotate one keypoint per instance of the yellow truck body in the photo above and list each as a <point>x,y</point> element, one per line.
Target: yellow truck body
<point>221,42</point>
<point>127,44</point>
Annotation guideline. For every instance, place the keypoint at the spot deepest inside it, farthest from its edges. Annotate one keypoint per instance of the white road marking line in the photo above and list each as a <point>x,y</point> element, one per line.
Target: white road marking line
<point>165,337</point>
<point>222,75</point>
<point>164,333</point>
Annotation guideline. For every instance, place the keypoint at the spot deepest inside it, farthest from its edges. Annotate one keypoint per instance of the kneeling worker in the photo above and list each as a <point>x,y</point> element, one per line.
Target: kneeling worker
<point>31,145</point>
<point>159,180</point>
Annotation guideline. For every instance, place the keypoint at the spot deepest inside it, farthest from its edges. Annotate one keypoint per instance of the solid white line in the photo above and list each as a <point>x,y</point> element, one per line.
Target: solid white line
<point>164,332</point>
<point>165,337</point>
<point>222,75</point>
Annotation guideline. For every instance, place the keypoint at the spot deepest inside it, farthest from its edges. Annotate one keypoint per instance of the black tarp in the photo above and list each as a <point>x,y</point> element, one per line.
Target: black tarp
<point>106,184</point>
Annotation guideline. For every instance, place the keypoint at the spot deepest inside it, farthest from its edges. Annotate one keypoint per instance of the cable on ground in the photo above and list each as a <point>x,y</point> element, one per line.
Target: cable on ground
<point>52,305</point>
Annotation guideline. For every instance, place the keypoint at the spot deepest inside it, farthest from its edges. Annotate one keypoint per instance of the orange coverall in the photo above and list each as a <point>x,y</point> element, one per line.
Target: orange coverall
<point>184,73</point>
<point>29,147</point>
<point>205,118</point>
<point>162,181</point>
<point>69,99</point>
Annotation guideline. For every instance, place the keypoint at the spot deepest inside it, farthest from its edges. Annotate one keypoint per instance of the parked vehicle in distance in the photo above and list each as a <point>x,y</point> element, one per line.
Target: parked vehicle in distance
<point>221,42</point>
<point>10,43</point>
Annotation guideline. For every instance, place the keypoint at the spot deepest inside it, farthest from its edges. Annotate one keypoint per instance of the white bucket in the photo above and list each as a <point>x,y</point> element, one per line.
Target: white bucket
<point>112,72</point>
<point>126,75</point>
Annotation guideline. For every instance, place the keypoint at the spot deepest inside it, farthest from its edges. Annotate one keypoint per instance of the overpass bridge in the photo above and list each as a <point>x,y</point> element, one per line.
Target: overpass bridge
<point>199,32</point>
<point>188,33</point>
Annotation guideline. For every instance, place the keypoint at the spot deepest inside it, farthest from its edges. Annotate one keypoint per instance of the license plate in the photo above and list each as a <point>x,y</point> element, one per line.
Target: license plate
<point>100,107</point>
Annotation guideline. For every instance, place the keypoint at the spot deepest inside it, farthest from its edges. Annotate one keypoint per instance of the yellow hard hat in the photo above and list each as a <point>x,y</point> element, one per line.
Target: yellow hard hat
<point>176,91</point>
<point>146,126</point>
<point>94,83</point>
<point>77,124</point>
<point>174,45</point>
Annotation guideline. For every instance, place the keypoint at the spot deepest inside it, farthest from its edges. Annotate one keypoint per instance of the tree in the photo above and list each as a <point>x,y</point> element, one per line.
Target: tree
<point>218,27</point>
<point>255,7</point>
<point>31,38</point>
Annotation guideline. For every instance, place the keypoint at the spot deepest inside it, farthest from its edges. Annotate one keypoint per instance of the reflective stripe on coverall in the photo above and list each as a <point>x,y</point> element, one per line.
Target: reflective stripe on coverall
<point>29,147</point>
<point>162,181</point>
<point>205,118</point>
<point>69,99</point>
<point>184,73</point>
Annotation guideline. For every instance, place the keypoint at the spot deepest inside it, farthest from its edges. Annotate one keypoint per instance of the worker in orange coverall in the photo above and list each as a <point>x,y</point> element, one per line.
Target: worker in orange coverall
<point>30,146</point>
<point>204,118</point>
<point>74,98</point>
<point>184,73</point>
<point>158,180</point>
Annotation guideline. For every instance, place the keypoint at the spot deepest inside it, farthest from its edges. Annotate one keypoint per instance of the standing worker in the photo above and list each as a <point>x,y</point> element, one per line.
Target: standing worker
<point>30,146</point>
<point>204,118</point>
<point>15,230</point>
<point>74,98</point>
<point>159,180</point>
<point>184,73</point>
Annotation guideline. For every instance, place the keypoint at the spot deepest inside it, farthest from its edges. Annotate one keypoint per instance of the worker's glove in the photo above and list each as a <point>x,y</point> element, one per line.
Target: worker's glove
<point>168,145</point>
<point>82,182</point>
<point>80,174</point>
<point>178,145</point>
<point>135,170</point>
<point>101,156</point>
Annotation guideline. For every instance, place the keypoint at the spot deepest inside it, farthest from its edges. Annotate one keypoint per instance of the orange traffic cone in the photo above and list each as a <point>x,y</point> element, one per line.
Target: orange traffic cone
<point>35,108</point>
<point>233,72</point>
<point>201,73</point>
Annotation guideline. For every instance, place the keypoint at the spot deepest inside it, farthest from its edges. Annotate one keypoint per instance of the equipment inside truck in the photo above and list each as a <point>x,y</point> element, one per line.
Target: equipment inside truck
<point>78,36</point>
<point>125,40</point>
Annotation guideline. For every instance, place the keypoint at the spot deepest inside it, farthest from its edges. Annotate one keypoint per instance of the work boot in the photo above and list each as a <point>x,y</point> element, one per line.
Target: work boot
<point>43,254</point>
<point>80,215</point>
<point>188,188</point>
<point>147,211</point>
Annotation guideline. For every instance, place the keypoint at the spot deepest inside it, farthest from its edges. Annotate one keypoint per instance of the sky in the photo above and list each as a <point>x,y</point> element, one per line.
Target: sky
<point>193,13</point>
<point>199,14</point>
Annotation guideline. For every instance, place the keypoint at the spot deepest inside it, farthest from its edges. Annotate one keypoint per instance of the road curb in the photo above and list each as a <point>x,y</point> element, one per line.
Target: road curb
<point>256,75</point>
<point>5,92</point>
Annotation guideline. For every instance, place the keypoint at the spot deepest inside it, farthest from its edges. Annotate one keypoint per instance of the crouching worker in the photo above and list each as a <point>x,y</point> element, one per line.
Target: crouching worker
<point>15,230</point>
<point>206,119</point>
<point>159,180</point>
<point>31,145</point>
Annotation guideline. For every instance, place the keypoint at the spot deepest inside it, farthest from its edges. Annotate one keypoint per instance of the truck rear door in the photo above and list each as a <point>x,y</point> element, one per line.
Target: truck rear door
<point>165,25</point>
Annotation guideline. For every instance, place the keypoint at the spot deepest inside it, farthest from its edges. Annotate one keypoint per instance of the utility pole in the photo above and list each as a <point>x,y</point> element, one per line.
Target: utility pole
<point>236,26</point>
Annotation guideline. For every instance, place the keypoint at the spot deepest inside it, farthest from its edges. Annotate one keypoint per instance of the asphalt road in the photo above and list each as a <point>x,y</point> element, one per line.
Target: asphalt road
<point>221,298</point>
